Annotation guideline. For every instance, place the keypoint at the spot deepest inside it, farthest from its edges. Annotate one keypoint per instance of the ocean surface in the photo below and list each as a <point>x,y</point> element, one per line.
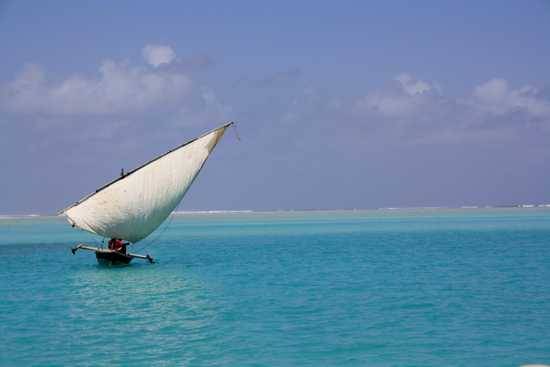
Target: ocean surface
<point>336,288</point>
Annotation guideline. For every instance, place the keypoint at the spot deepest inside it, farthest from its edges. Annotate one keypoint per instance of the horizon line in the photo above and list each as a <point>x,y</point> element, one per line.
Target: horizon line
<point>244,211</point>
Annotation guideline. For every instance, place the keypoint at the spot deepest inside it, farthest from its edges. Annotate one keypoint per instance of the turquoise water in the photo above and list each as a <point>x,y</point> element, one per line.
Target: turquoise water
<point>365,288</point>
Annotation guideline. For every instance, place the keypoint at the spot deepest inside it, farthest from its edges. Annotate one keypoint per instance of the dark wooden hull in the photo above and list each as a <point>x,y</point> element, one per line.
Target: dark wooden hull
<point>109,257</point>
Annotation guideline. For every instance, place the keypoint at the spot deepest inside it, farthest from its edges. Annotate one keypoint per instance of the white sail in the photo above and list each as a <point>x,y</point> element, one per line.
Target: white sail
<point>133,206</point>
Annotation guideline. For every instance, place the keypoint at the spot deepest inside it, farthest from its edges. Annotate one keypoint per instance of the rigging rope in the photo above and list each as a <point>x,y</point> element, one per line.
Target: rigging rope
<point>236,132</point>
<point>143,246</point>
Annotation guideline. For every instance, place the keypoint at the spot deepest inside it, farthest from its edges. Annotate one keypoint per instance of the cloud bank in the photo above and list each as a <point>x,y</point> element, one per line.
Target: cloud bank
<point>120,91</point>
<point>407,110</point>
<point>421,112</point>
<point>496,97</point>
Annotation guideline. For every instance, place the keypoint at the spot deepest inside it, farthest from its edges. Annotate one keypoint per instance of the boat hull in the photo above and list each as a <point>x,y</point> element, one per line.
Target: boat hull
<point>110,258</point>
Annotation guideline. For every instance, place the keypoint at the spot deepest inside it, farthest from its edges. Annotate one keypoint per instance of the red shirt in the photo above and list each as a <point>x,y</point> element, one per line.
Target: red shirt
<point>118,245</point>
<point>115,244</point>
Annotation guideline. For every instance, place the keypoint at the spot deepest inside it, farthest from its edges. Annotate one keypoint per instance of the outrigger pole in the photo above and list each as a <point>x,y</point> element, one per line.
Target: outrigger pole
<point>82,246</point>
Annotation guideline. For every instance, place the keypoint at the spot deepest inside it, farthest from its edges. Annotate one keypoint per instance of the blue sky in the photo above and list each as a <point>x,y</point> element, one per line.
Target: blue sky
<point>339,105</point>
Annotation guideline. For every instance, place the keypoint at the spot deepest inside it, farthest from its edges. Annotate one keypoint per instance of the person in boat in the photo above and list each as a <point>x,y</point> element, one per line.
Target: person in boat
<point>116,244</point>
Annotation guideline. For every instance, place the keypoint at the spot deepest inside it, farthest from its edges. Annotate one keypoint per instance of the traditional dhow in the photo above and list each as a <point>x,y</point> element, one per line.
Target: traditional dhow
<point>134,205</point>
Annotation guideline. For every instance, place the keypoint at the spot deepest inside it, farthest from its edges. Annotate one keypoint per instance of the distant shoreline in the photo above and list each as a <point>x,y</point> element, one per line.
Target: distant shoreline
<point>249,211</point>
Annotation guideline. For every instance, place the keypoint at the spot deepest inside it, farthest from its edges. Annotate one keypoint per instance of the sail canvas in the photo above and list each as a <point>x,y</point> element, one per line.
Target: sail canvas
<point>133,206</point>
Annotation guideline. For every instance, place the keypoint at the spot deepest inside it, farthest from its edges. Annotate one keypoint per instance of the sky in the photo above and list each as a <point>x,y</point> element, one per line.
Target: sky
<point>338,105</point>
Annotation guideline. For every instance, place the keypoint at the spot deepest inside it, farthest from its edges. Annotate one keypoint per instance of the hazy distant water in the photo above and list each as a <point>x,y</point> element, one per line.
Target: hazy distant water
<point>367,288</point>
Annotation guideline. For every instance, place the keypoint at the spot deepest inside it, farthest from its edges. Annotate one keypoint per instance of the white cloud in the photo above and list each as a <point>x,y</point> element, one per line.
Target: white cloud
<point>387,105</point>
<point>120,98</point>
<point>496,97</point>
<point>117,89</point>
<point>411,96</point>
<point>411,85</point>
<point>417,110</point>
<point>157,55</point>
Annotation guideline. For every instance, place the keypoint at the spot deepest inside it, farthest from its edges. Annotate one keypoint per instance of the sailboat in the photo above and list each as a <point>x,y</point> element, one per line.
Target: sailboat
<point>134,205</point>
